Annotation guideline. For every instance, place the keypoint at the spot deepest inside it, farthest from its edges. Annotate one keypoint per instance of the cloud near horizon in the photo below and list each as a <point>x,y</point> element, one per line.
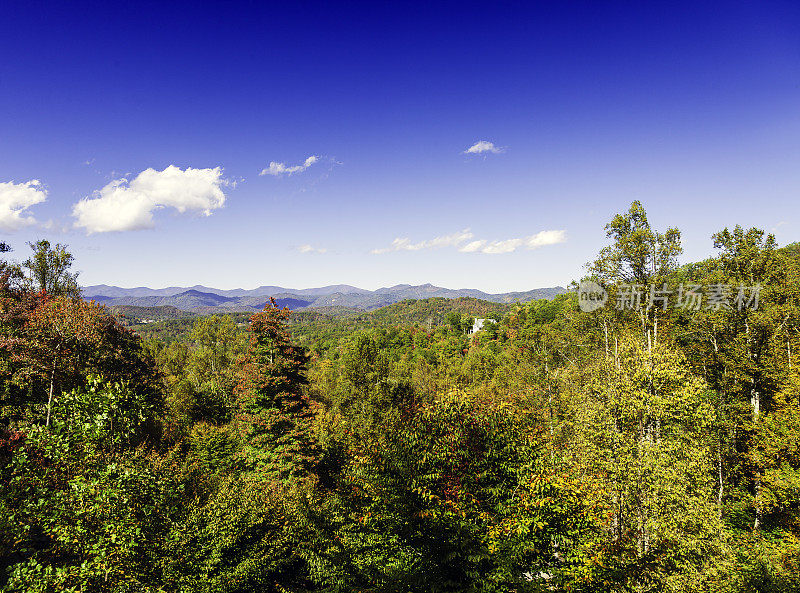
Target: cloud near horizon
<point>540,239</point>
<point>15,199</point>
<point>278,169</point>
<point>128,206</point>
<point>484,146</point>
<point>311,249</point>
<point>405,244</point>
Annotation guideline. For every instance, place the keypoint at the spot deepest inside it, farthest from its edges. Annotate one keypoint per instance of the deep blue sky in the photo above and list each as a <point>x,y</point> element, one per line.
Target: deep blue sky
<point>694,110</point>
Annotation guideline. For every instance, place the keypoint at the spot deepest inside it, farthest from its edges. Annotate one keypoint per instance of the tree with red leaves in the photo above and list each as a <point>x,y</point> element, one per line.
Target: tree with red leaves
<point>274,412</point>
<point>62,333</point>
<point>50,345</point>
<point>51,339</point>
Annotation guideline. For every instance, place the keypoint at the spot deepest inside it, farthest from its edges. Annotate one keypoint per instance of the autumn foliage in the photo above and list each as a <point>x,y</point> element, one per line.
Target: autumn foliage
<point>555,450</point>
<point>274,412</point>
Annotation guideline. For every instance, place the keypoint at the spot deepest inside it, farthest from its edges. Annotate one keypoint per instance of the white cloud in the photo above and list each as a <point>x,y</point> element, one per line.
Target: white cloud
<point>544,238</point>
<point>484,146</point>
<point>473,246</point>
<point>405,244</point>
<point>540,239</point>
<point>777,226</point>
<point>279,169</point>
<point>56,226</point>
<point>311,249</point>
<point>460,239</point>
<point>15,199</point>
<point>124,206</point>
<point>506,246</point>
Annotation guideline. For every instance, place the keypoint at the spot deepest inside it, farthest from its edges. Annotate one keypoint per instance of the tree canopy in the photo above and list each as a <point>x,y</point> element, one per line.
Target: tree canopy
<point>625,449</point>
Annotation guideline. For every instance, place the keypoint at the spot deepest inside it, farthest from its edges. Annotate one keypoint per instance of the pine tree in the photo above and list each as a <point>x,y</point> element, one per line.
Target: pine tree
<point>274,412</point>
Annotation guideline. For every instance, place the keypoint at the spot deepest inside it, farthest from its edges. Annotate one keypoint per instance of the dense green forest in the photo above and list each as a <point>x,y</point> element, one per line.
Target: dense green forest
<point>129,315</point>
<point>325,328</point>
<point>639,447</point>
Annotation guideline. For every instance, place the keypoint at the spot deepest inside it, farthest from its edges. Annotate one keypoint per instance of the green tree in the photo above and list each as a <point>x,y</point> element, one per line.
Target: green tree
<point>62,340</point>
<point>639,254</point>
<point>48,270</point>
<point>82,520</point>
<point>5,270</point>
<point>215,343</point>
<point>744,351</point>
<point>247,537</point>
<point>643,430</point>
<point>454,498</point>
<point>273,408</point>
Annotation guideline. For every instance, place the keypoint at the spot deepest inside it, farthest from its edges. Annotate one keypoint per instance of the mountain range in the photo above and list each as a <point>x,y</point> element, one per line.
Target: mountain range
<point>203,299</point>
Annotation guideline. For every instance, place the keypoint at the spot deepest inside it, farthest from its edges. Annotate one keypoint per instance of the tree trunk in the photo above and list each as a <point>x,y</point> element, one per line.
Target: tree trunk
<point>755,400</point>
<point>720,492</point>
<point>52,384</point>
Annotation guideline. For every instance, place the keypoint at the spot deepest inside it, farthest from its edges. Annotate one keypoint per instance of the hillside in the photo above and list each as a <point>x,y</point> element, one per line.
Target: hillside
<point>132,315</point>
<point>433,311</point>
<point>204,300</point>
<point>327,325</point>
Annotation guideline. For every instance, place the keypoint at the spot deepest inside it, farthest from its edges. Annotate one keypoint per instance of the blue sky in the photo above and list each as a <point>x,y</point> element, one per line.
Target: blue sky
<point>148,126</point>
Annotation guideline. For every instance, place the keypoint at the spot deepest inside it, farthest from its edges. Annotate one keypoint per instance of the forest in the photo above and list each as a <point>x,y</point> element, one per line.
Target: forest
<point>648,445</point>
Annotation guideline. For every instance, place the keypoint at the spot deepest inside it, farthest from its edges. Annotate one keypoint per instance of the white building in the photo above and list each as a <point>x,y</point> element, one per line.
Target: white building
<point>477,326</point>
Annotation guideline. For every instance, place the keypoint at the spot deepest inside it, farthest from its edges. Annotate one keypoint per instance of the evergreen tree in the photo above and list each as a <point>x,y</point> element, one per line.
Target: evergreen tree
<point>274,411</point>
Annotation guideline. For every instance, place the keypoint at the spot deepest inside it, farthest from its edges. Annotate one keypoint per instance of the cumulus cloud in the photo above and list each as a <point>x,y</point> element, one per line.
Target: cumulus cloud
<point>311,249</point>
<point>278,169</point>
<point>462,241</point>
<point>405,244</point>
<point>484,146</point>
<point>15,199</point>
<point>127,206</point>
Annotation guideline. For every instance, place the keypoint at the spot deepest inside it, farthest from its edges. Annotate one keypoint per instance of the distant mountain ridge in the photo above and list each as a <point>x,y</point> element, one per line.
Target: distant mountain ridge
<point>203,299</point>
<point>103,290</point>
